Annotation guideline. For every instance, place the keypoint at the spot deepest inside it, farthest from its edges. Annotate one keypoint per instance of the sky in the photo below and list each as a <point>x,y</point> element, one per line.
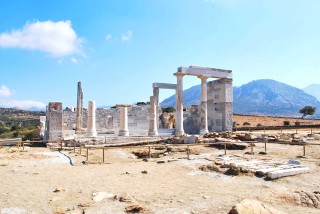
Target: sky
<point>118,48</point>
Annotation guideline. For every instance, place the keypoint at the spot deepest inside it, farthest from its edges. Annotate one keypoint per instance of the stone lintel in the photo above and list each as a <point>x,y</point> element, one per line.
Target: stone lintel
<point>204,72</point>
<point>164,85</point>
<point>123,105</point>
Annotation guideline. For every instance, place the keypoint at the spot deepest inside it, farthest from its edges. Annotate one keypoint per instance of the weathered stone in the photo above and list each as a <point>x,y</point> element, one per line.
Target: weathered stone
<point>287,172</point>
<point>190,139</point>
<point>99,196</point>
<point>253,207</point>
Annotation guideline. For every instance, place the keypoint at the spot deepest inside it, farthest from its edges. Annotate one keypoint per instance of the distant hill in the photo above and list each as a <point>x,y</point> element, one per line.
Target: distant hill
<point>313,90</point>
<point>259,97</point>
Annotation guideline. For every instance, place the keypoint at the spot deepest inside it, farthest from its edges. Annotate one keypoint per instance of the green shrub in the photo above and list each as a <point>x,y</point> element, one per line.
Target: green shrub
<point>286,123</point>
<point>168,109</point>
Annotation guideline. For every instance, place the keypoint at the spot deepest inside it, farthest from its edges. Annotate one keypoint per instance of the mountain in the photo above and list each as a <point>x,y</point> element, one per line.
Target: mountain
<point>313,90</point>
<point>259,97</point>
<point>190,96</point>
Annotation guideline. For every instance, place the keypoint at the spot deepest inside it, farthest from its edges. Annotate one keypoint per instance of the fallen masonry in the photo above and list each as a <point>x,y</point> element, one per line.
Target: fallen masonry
<point>271,169</point>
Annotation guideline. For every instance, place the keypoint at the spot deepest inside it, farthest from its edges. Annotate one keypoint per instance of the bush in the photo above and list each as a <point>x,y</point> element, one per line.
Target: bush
<point>297,123</point>
<point>30,135</point>
<point>168,109</point>
<point>286,123</point>
<point>246,124</point>
<point>259,125</point>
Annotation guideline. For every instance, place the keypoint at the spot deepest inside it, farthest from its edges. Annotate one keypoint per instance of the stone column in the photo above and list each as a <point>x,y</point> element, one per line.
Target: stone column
<point>203,107</point>
<point>156,102</point>
<point>42,127</point>
<point>153,129</point>
<point>179,105</point>
<point>91,127</point>
<point>124,131</point>
<point>79,117</point>
<point>54,121</point>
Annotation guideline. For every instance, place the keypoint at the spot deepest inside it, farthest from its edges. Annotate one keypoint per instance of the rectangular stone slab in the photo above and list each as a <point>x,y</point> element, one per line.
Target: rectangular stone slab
<point>287,172</point>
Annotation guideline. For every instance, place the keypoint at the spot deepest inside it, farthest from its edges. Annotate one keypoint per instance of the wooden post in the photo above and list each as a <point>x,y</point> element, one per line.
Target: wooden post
<point>188,153</point>
<point>264,130</point>
<point>61,145</point>
<point>281,130</point>
<point>225,148</point>
<point>311,130</point>
<point>304,150</point>
<point>80,148</point>
<point>265,147</point>
<point>74,147</point>
<point>251,148</point>
<point>22,145</point>
<point>102,155</point>
<point>87,154</point>
<point>149,152</point>
<point>296,131</point>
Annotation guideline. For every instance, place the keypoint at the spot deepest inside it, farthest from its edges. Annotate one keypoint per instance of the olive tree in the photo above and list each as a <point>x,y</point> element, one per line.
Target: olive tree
<point>307,110</point>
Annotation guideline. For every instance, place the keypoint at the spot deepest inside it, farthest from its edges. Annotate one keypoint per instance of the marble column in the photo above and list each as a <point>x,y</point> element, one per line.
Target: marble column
<point>203,107</point>
<point>153,129</point>
<point>124,131</point>
<point>91,127</point>
<point>156,103</point>
<point>79,117</point>
<point>179,105</point>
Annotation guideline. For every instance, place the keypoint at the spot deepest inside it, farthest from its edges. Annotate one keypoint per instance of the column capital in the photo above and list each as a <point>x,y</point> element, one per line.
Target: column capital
<point>202,77</point>
<point>179,74</point>
<point>123,105</point>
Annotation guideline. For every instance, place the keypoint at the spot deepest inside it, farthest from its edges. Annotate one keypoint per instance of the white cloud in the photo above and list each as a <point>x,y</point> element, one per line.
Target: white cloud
<point>5,91</point>
<point>6,101</point>
<point>56,38</point>
<point>74,60</point>
<point>22,104</point>
<point>109,37</point>
<point>127,36</point>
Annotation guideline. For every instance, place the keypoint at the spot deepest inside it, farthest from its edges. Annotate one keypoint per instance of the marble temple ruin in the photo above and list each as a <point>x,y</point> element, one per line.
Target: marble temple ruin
<point>214,112</point>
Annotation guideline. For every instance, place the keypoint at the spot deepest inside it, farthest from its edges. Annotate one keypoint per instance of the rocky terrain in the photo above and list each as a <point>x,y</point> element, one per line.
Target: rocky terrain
<point>171,178</point>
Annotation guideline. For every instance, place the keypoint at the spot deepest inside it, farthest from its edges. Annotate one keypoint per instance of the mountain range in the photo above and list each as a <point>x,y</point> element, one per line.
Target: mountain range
<point>259,97</point>
<point>313,90</point>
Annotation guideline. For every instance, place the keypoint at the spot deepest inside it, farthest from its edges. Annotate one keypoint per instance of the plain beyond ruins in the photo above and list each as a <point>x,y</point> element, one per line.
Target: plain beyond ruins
<point>213,114</point>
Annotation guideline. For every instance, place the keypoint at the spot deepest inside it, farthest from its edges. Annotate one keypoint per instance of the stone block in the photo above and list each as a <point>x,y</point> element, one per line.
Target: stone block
<point>288,172</point>
<point>190,139</point>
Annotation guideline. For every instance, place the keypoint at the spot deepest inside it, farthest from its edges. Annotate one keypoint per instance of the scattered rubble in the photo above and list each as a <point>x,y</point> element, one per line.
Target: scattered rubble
<point>252,206</point>
<point>135,208</point>
<point>99,196</point>
<point>309,199</point>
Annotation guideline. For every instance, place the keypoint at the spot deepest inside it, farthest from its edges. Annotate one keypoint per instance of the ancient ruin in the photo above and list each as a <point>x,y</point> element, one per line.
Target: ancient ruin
<point>214,112</point>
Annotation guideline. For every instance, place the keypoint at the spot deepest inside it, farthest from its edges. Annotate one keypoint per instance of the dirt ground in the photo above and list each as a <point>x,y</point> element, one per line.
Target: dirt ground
<point>39,180</point>
<point>270,121</point>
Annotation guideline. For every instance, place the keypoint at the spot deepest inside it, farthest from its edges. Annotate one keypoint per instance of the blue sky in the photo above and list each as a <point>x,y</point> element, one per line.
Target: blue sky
<point>118,48</point>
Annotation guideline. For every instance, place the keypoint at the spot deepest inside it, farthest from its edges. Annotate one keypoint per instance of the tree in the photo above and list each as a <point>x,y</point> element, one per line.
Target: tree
<point>307,110</point>
<point>168,109</point>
